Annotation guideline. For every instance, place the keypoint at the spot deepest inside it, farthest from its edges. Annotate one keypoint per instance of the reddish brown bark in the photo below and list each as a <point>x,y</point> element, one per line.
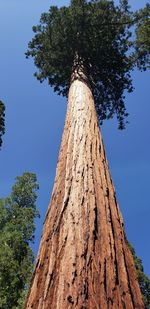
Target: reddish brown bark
<point>84,261</point>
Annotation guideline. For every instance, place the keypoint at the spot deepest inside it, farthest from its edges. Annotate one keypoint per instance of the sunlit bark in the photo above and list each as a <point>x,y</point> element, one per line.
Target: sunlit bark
<point>83,261</point>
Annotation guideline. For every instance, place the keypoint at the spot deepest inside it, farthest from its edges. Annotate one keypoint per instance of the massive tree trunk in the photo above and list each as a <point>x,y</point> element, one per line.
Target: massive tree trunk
<point>84,261</point>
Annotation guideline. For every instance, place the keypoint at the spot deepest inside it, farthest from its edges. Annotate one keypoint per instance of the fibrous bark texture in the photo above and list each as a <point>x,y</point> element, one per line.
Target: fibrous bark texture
<point>84,261</point>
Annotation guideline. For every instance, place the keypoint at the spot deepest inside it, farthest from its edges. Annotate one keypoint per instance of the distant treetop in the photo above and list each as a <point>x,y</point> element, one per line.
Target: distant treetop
<point>2,121</point>
<point>110,40</point>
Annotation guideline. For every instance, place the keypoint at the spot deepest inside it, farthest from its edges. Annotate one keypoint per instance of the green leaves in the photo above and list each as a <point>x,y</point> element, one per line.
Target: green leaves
<point>144,281</point>
<point>142,42</point>
<point>2,121</point>
<point>17,214</point>
<point>99,32</point>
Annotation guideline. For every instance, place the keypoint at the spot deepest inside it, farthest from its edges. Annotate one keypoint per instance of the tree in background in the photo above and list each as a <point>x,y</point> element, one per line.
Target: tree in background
<point>142,43</point>
<point>17,227</point>
<point>2,121</point>
<point>144,281</point>
<point>87,51</point>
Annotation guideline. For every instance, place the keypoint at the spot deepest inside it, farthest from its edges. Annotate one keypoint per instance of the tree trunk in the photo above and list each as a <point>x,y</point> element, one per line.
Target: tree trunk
<point>84,261</point>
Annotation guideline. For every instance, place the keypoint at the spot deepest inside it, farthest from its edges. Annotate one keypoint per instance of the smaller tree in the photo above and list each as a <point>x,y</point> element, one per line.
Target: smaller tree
<point>144,281</point>
<point>17,226</point>
<point>142,43</point>
<point>2,121</point>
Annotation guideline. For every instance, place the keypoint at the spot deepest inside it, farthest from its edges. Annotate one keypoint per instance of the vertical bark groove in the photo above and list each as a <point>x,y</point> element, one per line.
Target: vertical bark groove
<point>83,260</point>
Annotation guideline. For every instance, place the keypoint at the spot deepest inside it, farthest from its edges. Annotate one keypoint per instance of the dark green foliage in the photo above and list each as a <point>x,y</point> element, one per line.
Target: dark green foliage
<point>142,43</point>
<point>99,33</point>
<point>2,121</point>
<point>17,214</point>
<point>144,281</point>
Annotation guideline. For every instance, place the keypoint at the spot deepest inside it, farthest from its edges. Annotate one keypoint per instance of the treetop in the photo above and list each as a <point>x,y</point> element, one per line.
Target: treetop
<point>109,40</point>
<point>2,121</point>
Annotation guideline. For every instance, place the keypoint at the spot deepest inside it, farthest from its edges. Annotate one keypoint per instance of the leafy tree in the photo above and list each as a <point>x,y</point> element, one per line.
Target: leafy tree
<point>102,35</point>
<point>2,121</point>
<point>144,281</point>
<point>142,43</point>
<point>17,214</point>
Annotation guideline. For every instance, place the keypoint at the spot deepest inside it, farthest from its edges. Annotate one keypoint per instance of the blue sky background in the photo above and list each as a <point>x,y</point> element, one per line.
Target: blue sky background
<point>34,123</point>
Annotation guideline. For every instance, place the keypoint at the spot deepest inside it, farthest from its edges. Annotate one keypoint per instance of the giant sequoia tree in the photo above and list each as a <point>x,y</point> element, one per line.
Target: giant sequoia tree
<point>86,52</point>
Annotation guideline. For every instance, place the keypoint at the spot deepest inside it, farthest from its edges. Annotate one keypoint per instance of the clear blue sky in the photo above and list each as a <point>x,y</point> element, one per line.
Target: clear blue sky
<point>34,123</point>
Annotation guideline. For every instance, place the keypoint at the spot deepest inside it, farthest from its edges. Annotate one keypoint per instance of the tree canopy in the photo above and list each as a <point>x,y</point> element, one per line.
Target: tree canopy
<point>2,121</point>
<point>102,34</point>
<point>142,43</point>
<point>17,214</point>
